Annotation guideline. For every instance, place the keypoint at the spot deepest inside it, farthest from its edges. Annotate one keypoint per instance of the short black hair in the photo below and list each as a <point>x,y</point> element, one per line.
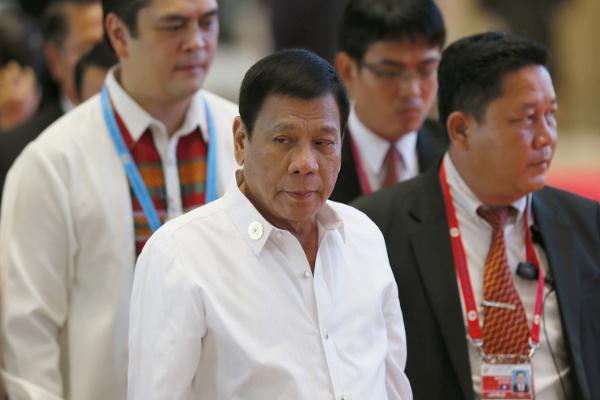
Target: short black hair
<point>21,41</point>
<point>293,73</point>
<point>101,55</point>
<point>55,26</point>
<point>367,21</point>
<point>126,10</point>
<point>472,69</point>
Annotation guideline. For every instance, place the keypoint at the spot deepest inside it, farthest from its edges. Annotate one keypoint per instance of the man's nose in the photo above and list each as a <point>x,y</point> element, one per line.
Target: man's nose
<point>545,133</point>
<point>304,160</point>
<point>194,39</point>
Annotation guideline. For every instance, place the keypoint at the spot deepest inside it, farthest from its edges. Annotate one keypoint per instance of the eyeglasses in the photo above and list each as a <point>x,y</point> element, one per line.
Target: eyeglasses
<point>402,75</point>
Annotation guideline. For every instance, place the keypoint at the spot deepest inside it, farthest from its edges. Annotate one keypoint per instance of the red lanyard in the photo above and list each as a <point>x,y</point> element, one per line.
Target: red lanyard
<point>462,270</point>
<point>365,187</point>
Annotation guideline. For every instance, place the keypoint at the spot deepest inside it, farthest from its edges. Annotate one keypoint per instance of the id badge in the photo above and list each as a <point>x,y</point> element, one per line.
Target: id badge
<point>506,381</point>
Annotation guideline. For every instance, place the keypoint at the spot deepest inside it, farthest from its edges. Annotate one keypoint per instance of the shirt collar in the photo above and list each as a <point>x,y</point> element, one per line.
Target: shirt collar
<point>464,198</point>
<point>249,221</point>
<point>65,104</point>
<point>137,120</point>
<point>378,147</point>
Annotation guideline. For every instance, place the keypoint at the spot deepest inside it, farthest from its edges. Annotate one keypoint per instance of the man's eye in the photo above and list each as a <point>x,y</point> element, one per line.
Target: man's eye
<point>208,23</point>
<point>387,73</point>
<point>172,27</point>
<point>427,72</point>
<point>551,118</point>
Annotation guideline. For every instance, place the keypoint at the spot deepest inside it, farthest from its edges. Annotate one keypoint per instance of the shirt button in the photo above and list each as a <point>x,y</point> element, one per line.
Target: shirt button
<point>327,336</point>
<point>307,274</point>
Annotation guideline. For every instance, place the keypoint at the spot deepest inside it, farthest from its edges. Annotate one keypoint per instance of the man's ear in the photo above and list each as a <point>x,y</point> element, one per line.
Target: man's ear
<point>347,69</point>
<point>118,34</point>
<point>240,139</point>
<point>460,127</point>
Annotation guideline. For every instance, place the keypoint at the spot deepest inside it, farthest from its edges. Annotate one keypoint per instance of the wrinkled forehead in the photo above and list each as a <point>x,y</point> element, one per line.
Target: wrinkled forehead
<point>282,107</point>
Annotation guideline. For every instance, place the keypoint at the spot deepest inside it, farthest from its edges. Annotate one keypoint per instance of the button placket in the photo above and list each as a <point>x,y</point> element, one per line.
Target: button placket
<point>324,313</point>
<point>174,207</point>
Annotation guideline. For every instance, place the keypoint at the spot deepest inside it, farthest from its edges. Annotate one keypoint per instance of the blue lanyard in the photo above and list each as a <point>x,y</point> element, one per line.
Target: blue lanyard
<point>137,183</point>
<point>210,192</point>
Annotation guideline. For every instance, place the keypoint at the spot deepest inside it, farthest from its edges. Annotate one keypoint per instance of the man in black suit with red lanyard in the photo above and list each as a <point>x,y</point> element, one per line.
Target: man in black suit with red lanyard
<point>388,58</point>
<point>481,236</point>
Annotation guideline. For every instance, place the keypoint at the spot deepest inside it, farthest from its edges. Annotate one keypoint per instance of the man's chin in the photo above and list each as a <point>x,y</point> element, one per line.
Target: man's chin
<point>185,91</point>
<point>536,184</point>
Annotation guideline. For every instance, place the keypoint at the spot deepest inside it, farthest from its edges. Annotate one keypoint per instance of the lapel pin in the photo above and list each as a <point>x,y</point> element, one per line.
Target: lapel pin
<point>255,230</point>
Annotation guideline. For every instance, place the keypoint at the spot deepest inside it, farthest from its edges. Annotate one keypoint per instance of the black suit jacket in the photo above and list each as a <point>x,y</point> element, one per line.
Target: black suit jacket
<point>432,143</point>
<point>14,141</point>
<point>412,218</point>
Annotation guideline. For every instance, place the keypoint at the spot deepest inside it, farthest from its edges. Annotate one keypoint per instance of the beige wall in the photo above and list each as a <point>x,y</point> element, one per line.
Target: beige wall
<point>577,52</point>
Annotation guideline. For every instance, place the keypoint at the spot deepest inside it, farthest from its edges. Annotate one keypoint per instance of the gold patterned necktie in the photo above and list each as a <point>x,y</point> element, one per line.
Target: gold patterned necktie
<point>505,329</point>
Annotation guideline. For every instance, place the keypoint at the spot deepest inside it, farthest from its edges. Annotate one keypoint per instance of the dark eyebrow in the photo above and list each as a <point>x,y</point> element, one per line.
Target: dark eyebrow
<point>532,105</point>
<point>172,18</point>
<point>287,126</point>
<point>282,127</point>
<point>182,18</point>
<point>210,13</point>
<point>394,63</point>
<point>329,129</point>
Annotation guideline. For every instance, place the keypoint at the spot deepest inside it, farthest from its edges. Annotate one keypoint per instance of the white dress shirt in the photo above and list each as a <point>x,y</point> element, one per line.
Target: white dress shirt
<point>67,250</point>
<point>476,238</point>
<point>225,306</point>
<point>373,149</point>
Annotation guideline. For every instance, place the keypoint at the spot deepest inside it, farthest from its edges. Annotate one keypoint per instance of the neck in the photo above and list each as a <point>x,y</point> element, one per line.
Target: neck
<point>481,187</point>
<point>307,235</point>
<point>305,231</point>
<point>170,113</point>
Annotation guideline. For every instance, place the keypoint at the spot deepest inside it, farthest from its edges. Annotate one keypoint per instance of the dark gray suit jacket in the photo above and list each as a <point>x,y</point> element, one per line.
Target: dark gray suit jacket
<point>412,217</point>
<point>432,143</point>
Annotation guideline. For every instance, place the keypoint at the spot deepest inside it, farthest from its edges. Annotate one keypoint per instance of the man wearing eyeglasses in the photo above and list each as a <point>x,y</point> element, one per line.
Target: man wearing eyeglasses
<point>388,58</point>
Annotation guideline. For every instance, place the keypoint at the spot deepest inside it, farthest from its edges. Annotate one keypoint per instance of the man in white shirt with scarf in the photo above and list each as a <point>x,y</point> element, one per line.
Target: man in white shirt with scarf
<point>82,199</point>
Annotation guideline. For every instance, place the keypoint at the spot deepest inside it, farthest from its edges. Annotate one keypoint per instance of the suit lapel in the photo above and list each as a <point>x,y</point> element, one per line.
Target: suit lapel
<point>431,244</point>
<point>562,252</point>
<point>424,149</point>
<point>347,187</point>
<point>432,143</point>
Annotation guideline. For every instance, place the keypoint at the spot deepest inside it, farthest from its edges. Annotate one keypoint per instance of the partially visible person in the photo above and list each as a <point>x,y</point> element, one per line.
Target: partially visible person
<point>388,58</point>
<point>306,24</point>
<point>83,198</point>
<point>91,70</point>
<point>520,382</point>
<point>497,272</point>
<point>70,28</point>
<point>21,69</point>
<point>272,292</point>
